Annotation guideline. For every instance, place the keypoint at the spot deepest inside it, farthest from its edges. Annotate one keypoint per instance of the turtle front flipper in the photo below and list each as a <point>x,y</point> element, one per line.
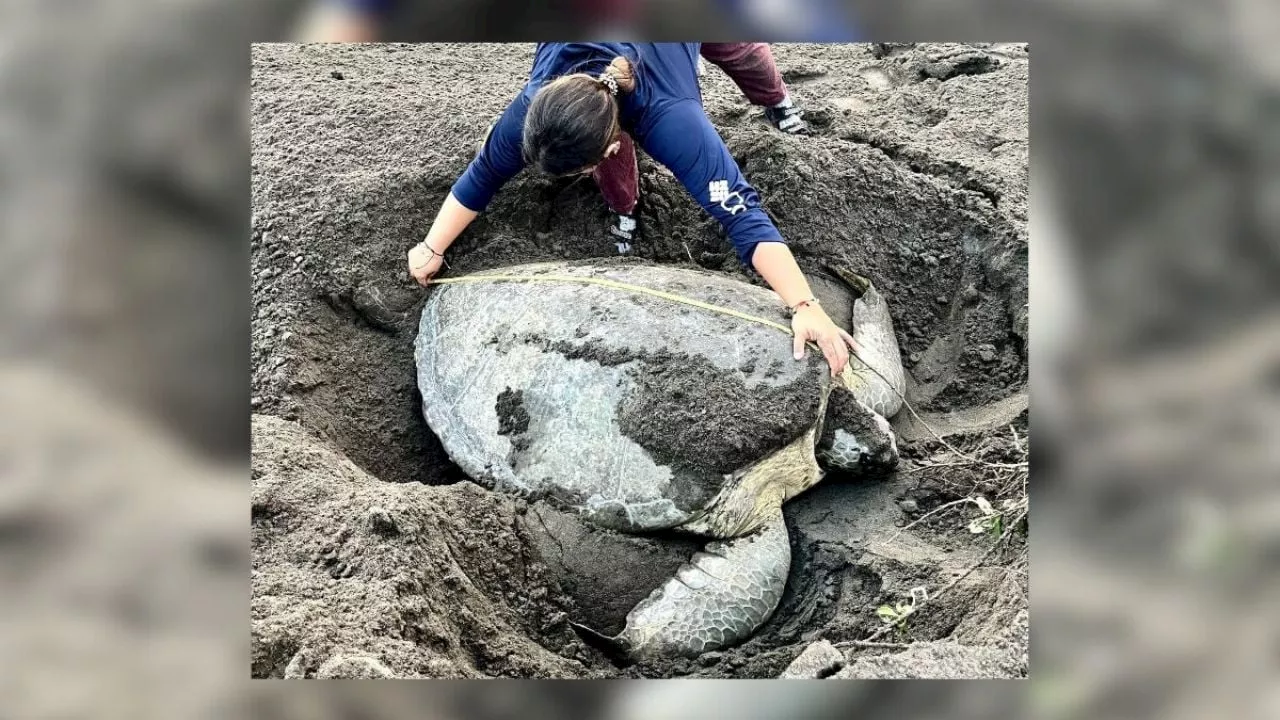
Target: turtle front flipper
<point>719,598</point>
<point>875,376</point>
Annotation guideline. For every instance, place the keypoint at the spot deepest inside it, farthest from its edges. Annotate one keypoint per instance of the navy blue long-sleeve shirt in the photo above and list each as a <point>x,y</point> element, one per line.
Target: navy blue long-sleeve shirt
<point>663,115</point>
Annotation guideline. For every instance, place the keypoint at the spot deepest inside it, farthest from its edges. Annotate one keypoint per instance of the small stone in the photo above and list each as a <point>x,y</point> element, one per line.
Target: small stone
<point>381,522</point>
<point>942,299</point>
<point>909,506</point>
<point>914,357</point>
<point>337,75</point>
<point>711,658</point>
<point>821,659</point>
<point>297,667</point>
<point>987,355</point>
<point>931,261</point>
<point>255,402</point>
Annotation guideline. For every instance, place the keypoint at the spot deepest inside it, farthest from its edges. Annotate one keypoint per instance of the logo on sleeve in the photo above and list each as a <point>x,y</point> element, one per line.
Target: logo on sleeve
<point>731,201</point>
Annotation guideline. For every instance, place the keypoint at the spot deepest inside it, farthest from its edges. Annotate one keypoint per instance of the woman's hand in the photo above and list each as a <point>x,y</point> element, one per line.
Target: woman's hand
<point>424,262</point>
<point>774,262</point>
<point>426,258</point>
<point>811,324</point>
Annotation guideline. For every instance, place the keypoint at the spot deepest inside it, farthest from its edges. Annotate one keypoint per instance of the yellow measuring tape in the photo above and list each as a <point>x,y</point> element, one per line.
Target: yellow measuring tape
<point>614,284</point>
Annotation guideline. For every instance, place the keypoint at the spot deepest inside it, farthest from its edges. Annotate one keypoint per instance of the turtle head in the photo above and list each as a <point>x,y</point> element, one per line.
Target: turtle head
<point>855,438</point>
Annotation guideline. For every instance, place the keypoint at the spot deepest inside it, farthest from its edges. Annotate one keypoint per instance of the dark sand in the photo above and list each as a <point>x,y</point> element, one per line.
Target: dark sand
<point>917,177</point>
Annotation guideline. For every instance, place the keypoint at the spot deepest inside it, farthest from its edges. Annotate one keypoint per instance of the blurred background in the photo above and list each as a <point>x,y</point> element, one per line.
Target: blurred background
<point>124,298</point>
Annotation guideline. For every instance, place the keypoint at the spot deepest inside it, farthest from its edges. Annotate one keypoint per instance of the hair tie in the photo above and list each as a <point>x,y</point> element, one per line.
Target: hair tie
<point>609,81</point>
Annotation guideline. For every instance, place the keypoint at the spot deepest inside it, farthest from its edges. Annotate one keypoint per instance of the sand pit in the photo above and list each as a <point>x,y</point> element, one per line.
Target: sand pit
<point>916,176</point>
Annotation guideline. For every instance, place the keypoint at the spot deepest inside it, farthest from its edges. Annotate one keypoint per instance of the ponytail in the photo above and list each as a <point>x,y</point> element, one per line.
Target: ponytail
<point>618,76</point>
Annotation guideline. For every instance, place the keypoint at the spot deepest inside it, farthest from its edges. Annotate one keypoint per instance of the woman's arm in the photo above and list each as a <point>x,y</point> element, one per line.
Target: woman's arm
<point>776,264</point>
<point>684,140</point>
<point>500,158</point>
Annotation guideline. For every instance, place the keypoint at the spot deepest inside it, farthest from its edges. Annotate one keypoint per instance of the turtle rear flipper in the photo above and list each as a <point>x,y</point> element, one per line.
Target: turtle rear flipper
<point>719,598</point>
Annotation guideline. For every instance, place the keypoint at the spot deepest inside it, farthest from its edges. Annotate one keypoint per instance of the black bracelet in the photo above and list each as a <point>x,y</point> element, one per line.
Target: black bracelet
<point>434,254</point>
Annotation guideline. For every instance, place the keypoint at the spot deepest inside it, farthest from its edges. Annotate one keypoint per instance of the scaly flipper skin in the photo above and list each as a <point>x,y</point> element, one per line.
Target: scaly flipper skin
<point>880,390</point>
<point>718,599</point>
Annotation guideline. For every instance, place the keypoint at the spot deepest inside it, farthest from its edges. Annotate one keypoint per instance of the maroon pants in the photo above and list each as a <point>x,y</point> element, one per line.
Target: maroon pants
<point>749,65</point>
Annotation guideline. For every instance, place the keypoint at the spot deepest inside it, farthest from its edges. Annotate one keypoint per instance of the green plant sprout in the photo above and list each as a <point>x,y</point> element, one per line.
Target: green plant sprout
<point>897,614</point>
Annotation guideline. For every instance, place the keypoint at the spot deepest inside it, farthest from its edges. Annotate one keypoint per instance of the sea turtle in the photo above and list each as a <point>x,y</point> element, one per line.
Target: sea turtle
<point>598,387</point>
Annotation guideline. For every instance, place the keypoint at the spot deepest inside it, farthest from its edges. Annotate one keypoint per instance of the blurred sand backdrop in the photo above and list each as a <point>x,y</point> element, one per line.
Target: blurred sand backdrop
<point>124,323</point>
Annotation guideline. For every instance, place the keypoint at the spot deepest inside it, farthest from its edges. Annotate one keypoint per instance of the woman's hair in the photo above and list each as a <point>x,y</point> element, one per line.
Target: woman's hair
<point>573,119</point>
